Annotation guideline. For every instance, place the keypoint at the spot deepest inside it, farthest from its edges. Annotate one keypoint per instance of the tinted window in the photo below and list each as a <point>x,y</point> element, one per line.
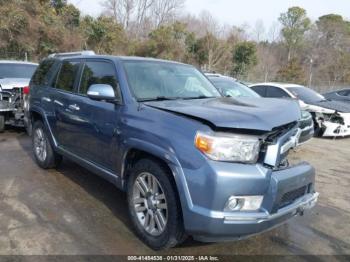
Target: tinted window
<point>98,73</point>
<point>12,70</point>
<point>273,91</point>
<point>232,88</point>
<point>152,80</point>
<point>261,90</point>
<point>67,75</point>
<point>306,94</point>
<point>40,76</point>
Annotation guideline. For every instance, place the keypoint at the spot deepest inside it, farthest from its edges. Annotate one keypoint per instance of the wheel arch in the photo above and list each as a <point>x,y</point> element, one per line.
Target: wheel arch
<point>135,154</point>
<point>37,114</point>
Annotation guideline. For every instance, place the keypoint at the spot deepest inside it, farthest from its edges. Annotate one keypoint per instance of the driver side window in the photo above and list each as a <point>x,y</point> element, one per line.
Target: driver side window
<point>98,72</point>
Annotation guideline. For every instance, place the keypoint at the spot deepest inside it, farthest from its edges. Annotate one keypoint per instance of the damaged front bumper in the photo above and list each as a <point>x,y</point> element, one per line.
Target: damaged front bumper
<point>11,108</point>
<point>340,128</point>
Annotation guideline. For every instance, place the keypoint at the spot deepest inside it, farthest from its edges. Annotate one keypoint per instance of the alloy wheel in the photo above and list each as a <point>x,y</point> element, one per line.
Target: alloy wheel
<point>150,204</point>
<point>40,144</point>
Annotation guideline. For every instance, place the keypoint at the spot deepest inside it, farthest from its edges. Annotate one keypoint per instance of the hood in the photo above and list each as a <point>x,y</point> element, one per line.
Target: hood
<point>9,83</point>
<point>261,114</point>
<point>342,107</point>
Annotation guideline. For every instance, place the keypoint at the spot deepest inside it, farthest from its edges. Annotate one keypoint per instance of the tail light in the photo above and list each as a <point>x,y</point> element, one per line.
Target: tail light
<point>26,90</point>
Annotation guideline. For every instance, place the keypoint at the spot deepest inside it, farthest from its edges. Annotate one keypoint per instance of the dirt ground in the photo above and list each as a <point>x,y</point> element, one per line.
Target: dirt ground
<point>71,211</point>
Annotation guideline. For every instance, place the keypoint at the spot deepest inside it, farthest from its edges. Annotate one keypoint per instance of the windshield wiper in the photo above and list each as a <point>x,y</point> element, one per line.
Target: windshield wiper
<point>198,97</point>
<point>158,98</point>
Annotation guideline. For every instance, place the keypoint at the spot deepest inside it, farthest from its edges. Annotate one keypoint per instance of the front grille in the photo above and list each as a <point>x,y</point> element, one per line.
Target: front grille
<point>291,196</point>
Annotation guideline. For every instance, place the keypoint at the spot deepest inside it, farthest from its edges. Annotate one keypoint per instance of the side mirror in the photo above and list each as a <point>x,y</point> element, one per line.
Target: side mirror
<point>101,92</point>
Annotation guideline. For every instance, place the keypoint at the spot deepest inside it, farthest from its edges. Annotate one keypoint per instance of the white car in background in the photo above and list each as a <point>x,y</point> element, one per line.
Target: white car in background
<point>14,90</point>
<point>331,118</point>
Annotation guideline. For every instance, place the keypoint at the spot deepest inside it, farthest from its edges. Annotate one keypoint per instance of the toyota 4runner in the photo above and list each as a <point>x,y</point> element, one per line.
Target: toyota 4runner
<point>190,161</point>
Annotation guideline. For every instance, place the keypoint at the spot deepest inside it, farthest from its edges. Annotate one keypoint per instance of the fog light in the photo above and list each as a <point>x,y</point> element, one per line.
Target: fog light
<point>234,204</point>
<point>243,203</point>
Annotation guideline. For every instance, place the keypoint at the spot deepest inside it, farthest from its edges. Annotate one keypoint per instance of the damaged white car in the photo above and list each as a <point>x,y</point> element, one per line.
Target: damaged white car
<point>14,91</point>
<point>331,118</point>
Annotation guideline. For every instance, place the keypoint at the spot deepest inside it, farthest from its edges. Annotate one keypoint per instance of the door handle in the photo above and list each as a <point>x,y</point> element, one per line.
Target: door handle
<point>46,99</point>
<point>74,107</point>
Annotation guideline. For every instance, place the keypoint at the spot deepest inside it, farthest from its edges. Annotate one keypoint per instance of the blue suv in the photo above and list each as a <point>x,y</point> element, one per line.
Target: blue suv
<point>192,163</point>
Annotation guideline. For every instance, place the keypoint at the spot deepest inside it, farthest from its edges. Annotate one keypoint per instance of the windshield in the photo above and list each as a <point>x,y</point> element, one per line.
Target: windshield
<point>233,88</point>
<point>17,70</point>
<point>306,94</point>
<point>150,80</point>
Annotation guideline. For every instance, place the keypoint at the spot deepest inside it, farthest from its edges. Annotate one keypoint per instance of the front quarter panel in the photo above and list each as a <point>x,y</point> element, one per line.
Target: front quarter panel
<point>164,135</point>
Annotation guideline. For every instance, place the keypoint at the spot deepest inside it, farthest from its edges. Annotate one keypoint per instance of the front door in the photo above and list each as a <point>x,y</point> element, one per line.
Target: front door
<point>96,122</point>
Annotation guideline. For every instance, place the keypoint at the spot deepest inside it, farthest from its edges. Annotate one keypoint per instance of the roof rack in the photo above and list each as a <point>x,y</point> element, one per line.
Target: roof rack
<point>79,53</point>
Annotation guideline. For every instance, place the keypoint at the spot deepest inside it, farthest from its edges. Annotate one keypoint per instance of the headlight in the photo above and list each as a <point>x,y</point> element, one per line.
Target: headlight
<point>229,147</point>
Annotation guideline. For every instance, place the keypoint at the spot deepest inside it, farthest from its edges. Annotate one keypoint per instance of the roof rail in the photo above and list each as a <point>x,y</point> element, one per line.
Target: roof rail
<point>79,53</point>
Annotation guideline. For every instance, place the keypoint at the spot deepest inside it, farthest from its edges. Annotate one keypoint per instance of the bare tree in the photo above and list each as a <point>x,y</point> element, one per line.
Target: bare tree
<point>259,31</point>
<point>165,10</point>
<point>215,47</point>
<point>138,17</point>
<point>121,10</point>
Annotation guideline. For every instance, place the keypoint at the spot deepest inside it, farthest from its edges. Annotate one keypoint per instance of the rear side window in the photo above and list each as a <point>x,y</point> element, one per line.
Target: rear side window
<point>98,72</point>
<point>41,74</point>
<point>261,90</point>
<point>67,75</point>
<point>273,91</point>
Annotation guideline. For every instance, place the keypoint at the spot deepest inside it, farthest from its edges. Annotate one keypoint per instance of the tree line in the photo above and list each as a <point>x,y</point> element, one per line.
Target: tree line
<point>295,49</point>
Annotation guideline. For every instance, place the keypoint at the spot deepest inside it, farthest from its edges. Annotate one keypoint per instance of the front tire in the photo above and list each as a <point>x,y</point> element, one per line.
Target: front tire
<point>44,154</point>
<point>153,205</point>
<point>2,123</point>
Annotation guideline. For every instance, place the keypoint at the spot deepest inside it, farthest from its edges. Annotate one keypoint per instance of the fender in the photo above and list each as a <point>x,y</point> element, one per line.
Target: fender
<point>41,112</point>
<point>169,157</point>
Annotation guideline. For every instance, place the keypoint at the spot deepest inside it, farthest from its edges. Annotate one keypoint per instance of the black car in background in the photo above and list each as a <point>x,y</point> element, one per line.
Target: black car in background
<point>339,95</point>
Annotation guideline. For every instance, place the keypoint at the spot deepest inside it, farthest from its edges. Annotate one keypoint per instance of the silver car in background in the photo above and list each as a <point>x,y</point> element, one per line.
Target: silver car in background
<point>14,90</point>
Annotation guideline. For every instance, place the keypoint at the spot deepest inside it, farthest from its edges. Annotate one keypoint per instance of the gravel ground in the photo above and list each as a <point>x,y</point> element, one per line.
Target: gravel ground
<point>70,211</point>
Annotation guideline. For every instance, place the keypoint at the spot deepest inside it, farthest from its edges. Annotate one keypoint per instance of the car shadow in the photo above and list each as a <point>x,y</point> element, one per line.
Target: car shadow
<point>102,190</point>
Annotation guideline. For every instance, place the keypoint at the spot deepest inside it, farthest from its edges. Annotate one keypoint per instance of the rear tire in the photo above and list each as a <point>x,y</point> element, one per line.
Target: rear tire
<point>2,123</point>
<point>157,204</point>
<point>44,154</point>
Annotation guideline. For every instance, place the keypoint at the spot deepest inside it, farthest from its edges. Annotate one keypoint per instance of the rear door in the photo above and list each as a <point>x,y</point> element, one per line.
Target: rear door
<point>96,122</point>
<point>62,96</point>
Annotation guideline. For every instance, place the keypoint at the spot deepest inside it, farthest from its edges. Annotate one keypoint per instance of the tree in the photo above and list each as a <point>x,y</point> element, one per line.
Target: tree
<point>121,10</point>
<point>139,17</point>
<point>58,4</point>
<point>295,24</point>
<point>165,11</point>
<point>292,72</point>
<point>244,58</point>
<point>167,42</point>
<point>71,16</point>
<point>103,35</point>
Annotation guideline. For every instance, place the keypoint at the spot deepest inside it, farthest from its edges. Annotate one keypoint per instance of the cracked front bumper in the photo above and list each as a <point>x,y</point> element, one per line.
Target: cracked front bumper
<point>207,221</point>
<point>245,225</point>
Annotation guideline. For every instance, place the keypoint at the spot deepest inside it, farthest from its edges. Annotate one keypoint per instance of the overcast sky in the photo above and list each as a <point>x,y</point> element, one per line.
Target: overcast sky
<point>239,12</point>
